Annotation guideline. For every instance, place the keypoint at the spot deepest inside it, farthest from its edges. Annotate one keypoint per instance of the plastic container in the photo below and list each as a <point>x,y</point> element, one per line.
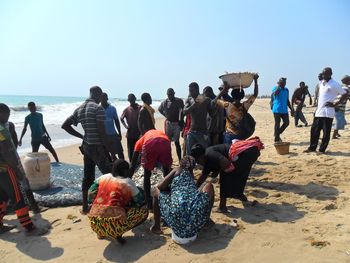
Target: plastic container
<point>238,80</point>
<point>282,147</point>
<point>38,170</point>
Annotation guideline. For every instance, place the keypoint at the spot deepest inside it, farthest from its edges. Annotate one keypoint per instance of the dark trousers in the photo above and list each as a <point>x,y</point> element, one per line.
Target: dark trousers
<point>278,128</point>
<point>324,124</point>
<point>299,115</point>
<point>131,145</point>
<point>94,155</point>
<point>233,184</point>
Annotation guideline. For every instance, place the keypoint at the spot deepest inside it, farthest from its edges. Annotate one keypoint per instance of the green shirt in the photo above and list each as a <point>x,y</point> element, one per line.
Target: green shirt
<point>35,121</point>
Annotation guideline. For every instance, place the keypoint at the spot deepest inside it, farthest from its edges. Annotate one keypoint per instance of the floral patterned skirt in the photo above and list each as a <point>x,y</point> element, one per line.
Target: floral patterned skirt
<point>115,227</point>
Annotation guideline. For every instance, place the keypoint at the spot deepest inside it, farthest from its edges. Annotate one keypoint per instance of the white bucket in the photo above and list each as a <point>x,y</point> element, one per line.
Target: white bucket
<point>38,169</point>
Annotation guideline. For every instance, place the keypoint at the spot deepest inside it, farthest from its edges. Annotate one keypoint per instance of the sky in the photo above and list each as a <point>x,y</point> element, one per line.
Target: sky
<point>63,47</point>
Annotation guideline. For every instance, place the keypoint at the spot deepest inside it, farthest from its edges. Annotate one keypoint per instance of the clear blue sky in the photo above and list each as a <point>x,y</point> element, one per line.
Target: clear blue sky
<point>63,47</point>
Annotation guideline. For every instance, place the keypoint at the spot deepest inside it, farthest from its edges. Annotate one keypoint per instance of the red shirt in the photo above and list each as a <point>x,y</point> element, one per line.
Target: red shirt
<point>151,134</point>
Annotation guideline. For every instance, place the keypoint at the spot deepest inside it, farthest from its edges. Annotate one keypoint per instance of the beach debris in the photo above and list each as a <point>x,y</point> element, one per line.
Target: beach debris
<point>67,229</point>
<point>74,219</point>
<point>347,252</point>
<point>331,206</point>
<point>319,244</point>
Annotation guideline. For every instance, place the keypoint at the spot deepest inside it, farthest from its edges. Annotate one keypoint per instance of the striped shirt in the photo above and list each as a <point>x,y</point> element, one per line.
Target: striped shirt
<point>88,114</point>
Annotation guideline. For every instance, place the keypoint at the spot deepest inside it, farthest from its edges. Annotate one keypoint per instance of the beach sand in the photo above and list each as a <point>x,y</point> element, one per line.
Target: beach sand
<point>302,214</point>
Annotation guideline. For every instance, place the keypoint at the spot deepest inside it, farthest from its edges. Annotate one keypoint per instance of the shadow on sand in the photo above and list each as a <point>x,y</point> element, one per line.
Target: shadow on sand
<point>310,190</point>
<point>142,239</point>
<point>36,247</point>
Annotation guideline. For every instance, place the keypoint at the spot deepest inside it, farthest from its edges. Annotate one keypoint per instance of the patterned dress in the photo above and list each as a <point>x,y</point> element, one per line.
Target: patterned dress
<point>184,209</point>
<point>111,214</point>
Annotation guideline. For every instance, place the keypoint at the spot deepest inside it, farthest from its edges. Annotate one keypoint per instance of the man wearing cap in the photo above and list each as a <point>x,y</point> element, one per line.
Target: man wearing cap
<point>171,109</point>
<point>325,112</point>
<point>280,104</point>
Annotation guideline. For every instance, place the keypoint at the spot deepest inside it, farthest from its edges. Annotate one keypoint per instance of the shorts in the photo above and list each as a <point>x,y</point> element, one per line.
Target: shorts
<point>340,121</point>
<point>43,141</point>
<point>114,144</point>
<point>157,150</point>
<point>172,130</point>
<point>194,137</point>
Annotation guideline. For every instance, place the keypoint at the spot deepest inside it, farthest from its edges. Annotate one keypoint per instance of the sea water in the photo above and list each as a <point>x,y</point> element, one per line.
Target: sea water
<point>55,111</point>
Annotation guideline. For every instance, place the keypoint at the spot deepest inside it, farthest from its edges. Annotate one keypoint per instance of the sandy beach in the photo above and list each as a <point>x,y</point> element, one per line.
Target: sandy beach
<point>301,213</point>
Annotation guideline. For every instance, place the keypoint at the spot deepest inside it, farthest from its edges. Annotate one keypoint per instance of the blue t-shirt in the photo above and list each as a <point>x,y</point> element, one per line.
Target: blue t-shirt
<point>280,101</point>
<point>36,124</point>
<point>111,115</point>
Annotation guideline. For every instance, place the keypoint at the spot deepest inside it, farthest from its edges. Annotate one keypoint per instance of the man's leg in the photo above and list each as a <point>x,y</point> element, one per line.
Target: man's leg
<point>35,146</point>
<point>285,118</point>
<point>89,177</point>
<point>302,117</point>
<point>45,142</point>
<point>315,133</point>
<point>296,116</point>
<point>178,149</point>
<point>326,128</point>
<point>156,212</point>
<point>147,187</point>
<point>209,189</point>
<point>277,118</point>
<point>190,141</point>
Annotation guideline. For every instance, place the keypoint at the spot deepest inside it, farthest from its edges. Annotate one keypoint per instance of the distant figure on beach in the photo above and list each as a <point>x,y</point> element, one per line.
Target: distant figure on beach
<point>280,104</point>
<point>184,208</point>
<point>325,112</point>
<point>117,203</point>
<point>40,136</point>
<point>131,114</point>
<point>172,110</point>
<point>298,99</point>
<point>233,162</point>
<point>155,148</point>
<point>112,137</point>
<point>198,106</point>
<point>92,118</point>
<point>10,175</point>
<point>11,128</point>
<point>236,110</point>
<point>317,89</point>
<point>215,122</point>
<point>146,119</point>
<point>340,120</point>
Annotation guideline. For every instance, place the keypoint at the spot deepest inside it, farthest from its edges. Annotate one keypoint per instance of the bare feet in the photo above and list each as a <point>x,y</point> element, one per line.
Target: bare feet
<point>6,228</point>
<point>309,151</point>
<point>156,230</point>
<point>37,231</point>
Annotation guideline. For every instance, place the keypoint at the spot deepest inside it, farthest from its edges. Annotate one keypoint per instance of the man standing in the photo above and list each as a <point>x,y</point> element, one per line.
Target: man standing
<point>92,117</point>
<point>131,114</point>
<point>112,137</point>
<point>146,119</point>
<point>329,90</point>
<point>216,122</point>
<point>198,106</point>
<point>10,175</point>
<point>298,99</point>
<point>171,109</point>
<point>40,136</point>
<point>280,104</point>
<point>317,89</point>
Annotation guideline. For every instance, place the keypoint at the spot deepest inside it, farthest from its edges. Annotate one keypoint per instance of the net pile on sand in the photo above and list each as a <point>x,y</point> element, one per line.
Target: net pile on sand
<point>239,79</point>
<point>156,177</point>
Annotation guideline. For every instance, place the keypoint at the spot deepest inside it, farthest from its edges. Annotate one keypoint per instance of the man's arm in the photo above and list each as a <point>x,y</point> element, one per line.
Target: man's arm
<point>161,108</point>
<point>291,108</point>
<point>134,161</point>
<point>100,121</point>
<point>189,106</point>
<point>67,126</point>
<point>123,121</point>
<point>164,184</point>
<point>256,86</point>
<point>10,157</point>
<point>140,120</point>
<point>23,131</point>
<point>117,124</point>
<point>13,134</point>
<point>293,98</point>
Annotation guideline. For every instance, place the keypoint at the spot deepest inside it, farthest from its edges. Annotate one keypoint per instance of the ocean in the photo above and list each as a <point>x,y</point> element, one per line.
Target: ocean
<point>55,111</point>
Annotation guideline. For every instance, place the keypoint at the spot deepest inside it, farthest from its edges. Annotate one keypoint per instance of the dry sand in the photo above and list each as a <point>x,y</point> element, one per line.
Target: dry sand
<point>303,201</point>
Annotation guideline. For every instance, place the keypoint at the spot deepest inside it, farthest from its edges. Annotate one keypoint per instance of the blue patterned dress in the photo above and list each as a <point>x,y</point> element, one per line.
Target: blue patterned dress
<point>184,209</point>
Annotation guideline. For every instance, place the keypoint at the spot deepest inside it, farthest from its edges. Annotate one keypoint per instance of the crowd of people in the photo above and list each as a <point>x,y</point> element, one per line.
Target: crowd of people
<point>218,135</point>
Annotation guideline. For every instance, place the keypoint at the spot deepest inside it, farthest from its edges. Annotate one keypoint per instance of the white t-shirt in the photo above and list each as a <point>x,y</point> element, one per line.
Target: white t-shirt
<point>328,93</point>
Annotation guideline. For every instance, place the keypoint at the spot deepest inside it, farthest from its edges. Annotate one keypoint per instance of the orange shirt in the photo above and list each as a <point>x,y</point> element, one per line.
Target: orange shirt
<point>151,134</point>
